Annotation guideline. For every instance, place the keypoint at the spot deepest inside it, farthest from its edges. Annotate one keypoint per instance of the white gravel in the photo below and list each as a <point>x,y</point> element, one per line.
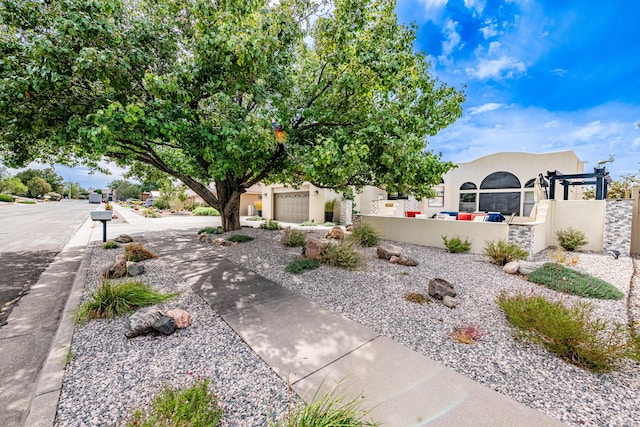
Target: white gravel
<point>109,374</point>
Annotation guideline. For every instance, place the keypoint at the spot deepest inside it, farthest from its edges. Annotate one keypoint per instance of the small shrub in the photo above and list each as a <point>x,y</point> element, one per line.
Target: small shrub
<point>150,213</point>
<point>569,332</point>
<point>161,203</point>
<point>571,239</point>
<point>308,224</point>
<point>502,252</point>
<point>111,300</point>
<point>136,252</point>
<point>193,406</point>
<point>469,334</point>
<point>294,238</point>
<point>301,265</point>
<point>343,255</point>
<point>211,230</point>
<point>6,198</point>
<point>270,224</point>
<point>416,298</point>
<point>560,256</point>
<point>205,211</point>
<point>255,218</point>
<point>326,410</point>
<point>456,245</point>
<point>108,206</point>
<point>240,238</point>
<point>110,245</point>
<point>365,234</point>
<point>329,224</point>
<point>560,278</point>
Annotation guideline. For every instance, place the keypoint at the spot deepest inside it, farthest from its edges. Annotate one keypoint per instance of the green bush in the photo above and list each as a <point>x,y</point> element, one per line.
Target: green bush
<point>560,278</point>
<point>456,245</point>
<point>205,211</point>
<point>136,252</point>
<point>343,255</point>
<point>193,406</point>
<point>307,224</point>
<point>150,213</point>
<point>255,218</point>
<point>300,265</point>
<point>571,239</point>
<point>570,332</point>
<point>211,230</point>
<point>502,252</point>
<point>6,198</point>
<point>110,300</point>
<point>161,203</point>
<point>240,238</point>
<point>270,225</point>
<point>329,224</point>
<point>110,245</point>
<point>294,238</point>
<point>365,235</point>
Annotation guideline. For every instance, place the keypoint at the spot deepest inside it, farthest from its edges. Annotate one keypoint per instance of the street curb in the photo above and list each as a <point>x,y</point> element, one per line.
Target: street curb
<point>44,401</point>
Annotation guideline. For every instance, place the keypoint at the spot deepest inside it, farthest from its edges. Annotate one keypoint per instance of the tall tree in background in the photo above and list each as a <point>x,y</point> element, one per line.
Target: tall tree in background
<point>231,92</point>
<point>55,181</point>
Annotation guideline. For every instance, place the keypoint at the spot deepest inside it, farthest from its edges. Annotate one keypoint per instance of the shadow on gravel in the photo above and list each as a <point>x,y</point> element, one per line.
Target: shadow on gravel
<point>20,270</point>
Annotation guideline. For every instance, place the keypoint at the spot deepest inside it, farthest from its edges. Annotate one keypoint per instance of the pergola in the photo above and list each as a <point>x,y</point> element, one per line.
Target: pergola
<point>600,178</point>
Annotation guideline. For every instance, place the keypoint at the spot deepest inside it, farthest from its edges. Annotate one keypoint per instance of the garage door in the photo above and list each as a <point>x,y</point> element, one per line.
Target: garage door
<point>292,207</point>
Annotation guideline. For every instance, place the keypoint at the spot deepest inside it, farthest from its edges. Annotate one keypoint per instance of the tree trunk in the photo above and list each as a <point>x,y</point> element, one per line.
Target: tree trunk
<point>230,211</point>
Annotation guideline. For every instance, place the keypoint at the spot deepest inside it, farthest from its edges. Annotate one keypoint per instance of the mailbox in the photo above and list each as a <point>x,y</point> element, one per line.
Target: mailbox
<point>101,215</point>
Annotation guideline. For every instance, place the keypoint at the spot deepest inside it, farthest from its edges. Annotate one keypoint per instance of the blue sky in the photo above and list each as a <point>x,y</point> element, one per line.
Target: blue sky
<point>540,76</point>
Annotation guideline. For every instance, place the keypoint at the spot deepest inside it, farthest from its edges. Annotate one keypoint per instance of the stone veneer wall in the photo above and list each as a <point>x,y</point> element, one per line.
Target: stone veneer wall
<point>346,212</point>
<point>522,235</point>
<point>357,220</point>
<point>618,218</point>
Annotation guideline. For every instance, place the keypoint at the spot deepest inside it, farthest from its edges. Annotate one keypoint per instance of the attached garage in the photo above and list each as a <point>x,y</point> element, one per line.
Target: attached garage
<point>291,207</point>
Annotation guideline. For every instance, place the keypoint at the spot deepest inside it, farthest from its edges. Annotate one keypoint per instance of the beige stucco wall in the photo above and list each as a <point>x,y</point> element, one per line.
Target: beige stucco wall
<point>584,215</point>
<point>429,232</point>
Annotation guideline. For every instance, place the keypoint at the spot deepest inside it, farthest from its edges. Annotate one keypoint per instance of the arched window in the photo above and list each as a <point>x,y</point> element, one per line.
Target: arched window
<point>498,180</point>
<point>468,186</point>
<point>505,202</point>
<point>468,196</point>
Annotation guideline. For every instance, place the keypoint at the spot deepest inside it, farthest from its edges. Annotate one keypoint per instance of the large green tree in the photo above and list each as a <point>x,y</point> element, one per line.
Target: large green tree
<point>226,92</point>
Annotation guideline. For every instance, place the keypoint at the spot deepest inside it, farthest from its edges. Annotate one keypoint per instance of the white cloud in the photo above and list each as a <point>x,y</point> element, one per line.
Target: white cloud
<point>504,67</point>
<point>491,106</point>
<point>451,42</point>
<point>490,29</point>
<point>475,5</point>
<point>551,124</point>
<point>433,9</point>
<point>559,71</point>
<point>636,143</point>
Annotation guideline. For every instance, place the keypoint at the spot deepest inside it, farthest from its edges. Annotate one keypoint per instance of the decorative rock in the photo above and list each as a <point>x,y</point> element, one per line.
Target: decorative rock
<point>511,267</point>
<point>181,318</point>
<point>387,250</point>
<point>164,325</point>
<point>393,259</point>
<point>407,261</point>
<point>440,288</point>
<point>450,302</point>
<point>336,233</point>
<point>134,269</point>
<point>313,248</point>
<point>123,238</point>
<point>527,267</point>
<point>117,270</point>
<point>141,322</point>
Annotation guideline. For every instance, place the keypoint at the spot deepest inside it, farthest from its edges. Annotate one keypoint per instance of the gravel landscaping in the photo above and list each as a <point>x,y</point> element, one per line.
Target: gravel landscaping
<point>109,374</point>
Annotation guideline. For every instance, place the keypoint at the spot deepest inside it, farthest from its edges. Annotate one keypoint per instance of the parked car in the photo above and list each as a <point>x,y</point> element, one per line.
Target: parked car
<point>95,198</point>
<point>136,202</point>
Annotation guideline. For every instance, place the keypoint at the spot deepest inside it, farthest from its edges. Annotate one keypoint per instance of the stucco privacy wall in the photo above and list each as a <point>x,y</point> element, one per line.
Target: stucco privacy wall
<point>618,226</point>
<point>587,216</point>
<point>429,232</point>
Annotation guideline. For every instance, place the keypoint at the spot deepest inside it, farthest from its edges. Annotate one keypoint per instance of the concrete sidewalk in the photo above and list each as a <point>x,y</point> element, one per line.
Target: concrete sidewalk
<point>303,342</point>
<point>311,347</point>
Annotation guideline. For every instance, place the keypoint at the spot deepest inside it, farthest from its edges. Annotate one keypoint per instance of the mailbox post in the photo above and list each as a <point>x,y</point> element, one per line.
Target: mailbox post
<point>103,217</point>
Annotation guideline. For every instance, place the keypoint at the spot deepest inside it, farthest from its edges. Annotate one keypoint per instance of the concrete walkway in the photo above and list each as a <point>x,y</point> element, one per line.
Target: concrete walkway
<point>303,342</point>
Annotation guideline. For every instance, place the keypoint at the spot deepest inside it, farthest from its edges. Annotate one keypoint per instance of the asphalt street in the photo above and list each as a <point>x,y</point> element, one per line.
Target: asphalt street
<point>30,237</point>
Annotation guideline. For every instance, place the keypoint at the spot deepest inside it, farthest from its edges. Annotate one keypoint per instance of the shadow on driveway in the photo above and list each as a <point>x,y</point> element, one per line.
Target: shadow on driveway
<point>19,271</point>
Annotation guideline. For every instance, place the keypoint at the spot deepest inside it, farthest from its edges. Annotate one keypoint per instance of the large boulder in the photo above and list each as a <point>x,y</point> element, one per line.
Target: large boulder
<point>147,320</point>
<point>117,270</point>
<point>407,261</point>
<point>528,267</point>
<point>181,318</point>
<point>313,248</point>
<point>387,250</point>
<point>511,267</point>
<point>439,288</point>
<point>123,238</point>
<point>164,325</point>
<point>335,233</point>
<point>134,269</point>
